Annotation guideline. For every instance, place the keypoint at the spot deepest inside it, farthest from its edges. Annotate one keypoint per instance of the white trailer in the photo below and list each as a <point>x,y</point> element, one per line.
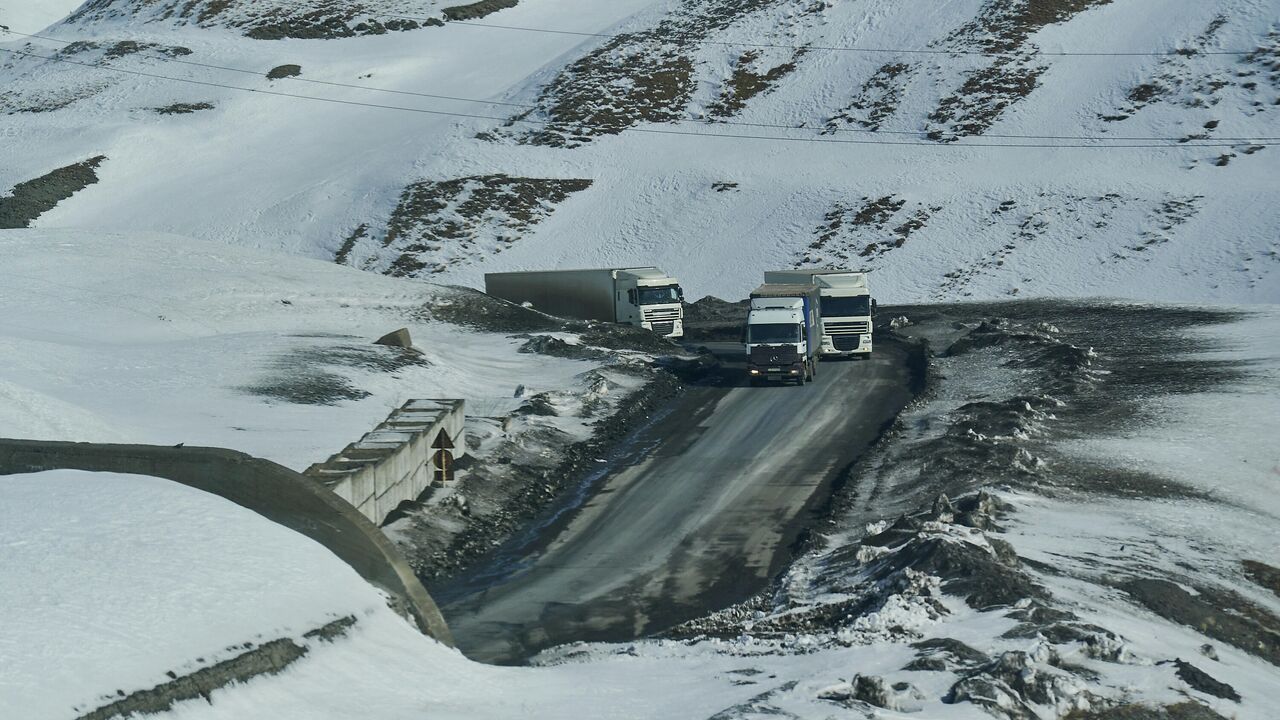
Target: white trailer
<point>642,296</point>
<point>846,305</point>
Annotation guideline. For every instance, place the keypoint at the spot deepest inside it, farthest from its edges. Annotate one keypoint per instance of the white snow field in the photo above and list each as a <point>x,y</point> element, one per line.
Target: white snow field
<point>1178,222</point>
<point>112,580</point>
<point>159,339</point>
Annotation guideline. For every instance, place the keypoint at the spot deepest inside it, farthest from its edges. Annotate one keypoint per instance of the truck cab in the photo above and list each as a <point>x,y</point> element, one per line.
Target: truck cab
<point>782,334</point>
<point>649,298</point>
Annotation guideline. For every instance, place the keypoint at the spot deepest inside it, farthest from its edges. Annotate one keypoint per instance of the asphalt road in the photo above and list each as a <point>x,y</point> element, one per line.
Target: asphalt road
<point>704,517</point>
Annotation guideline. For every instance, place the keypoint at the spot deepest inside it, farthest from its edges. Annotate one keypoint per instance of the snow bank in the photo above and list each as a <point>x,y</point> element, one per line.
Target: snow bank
<point>111,581</point>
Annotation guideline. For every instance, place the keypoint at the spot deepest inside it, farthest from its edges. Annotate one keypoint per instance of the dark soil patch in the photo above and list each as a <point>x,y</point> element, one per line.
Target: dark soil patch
<point>33,198</point>
<point>555,347</point>
<point>1002,26</point>
<point>860,233</point>
<point>714,320</point>
<point>306,376</point>
<point>474,309</point>
<point>284,71</point>
<point>876,100</point>
<point>477,10</point>
<point>622,337</point>
<point>747,83</point>
<point>945,654</point>
<point>1263,574</point>
<point>1218,614</point>
<point>266,659</point>
<point>638,77</point>
<point>343,255</point>
<point>183,108</point>
<point>1180,711</point>
<point>985,95</point>
<point>1205,683</point>
<point>122,48</point>
<point>1192,79</point>
<point>262,19</point>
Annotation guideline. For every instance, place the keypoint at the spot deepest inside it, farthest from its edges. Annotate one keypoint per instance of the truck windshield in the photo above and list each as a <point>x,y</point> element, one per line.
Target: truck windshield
<point>664,295</point>
<point>846,306</point>
<point>773,333</point>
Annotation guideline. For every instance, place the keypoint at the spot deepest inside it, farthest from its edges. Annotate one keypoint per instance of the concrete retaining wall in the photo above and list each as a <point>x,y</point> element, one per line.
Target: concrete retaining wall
<point>273,491</point>
<point>394,462</point>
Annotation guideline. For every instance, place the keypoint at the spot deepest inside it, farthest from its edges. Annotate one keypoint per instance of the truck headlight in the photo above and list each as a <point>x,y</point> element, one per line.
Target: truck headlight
<point>795,371</point>
<point>755,371</point>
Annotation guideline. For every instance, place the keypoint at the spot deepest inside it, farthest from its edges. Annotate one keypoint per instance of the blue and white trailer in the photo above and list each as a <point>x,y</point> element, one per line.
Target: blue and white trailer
<point>784,333</point>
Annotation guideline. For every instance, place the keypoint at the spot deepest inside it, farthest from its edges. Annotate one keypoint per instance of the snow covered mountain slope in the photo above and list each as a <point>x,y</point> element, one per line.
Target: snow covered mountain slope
<point>1114,565</point>
<point>672,140</point>
<point>162,339</point>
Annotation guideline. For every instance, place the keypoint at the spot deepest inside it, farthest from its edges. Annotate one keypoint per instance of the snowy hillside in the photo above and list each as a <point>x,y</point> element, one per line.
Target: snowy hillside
<point>161,339</point>
<point>716,138</point>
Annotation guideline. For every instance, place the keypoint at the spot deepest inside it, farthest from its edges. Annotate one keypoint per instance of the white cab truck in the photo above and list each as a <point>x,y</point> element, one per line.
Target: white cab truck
<point>846,308</point>
<point>642,296</point>
<point>783,333</point>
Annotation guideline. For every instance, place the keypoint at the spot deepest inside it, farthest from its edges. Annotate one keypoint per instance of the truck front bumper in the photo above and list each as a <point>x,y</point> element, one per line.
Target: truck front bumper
<point>846,345</point>
<point>776,373</point>
<point>665,328</point>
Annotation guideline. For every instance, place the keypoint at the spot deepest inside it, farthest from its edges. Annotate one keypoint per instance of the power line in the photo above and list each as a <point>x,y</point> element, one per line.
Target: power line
<point>650,131</point>
<point>841,48</point>
<point>709,121</point>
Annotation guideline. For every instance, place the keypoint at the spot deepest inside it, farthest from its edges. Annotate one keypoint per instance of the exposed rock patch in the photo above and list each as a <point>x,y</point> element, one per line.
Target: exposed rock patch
<point>270,19</point>
<point>183,108</point>
<point>477,10</point>
<point>439,224</point>
<point>33,198</point>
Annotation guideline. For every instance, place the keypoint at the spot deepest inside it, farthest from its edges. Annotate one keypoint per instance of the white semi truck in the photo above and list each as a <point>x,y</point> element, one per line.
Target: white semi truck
<point>783,333</point>
<point>642,296</point>
<point>847,308</point>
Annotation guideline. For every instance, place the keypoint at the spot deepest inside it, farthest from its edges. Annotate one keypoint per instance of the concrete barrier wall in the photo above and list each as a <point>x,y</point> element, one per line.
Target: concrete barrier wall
<point>393,463</point>
<point>273,491</point>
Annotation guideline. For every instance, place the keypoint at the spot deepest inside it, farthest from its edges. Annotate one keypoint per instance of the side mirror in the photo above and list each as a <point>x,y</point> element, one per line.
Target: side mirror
<point>873,308</point>
<point>631,297</point>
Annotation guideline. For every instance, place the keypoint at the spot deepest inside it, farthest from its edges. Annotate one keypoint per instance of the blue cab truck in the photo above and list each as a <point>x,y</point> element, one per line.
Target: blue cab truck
<point>783,333</point>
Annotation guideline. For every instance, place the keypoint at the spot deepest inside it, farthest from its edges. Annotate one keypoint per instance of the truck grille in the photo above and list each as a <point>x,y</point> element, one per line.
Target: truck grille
<point>858,327</point>
<point>775,355</point>
<point>664,328</point>
<point>659,315</point>
<point>845,343</point>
